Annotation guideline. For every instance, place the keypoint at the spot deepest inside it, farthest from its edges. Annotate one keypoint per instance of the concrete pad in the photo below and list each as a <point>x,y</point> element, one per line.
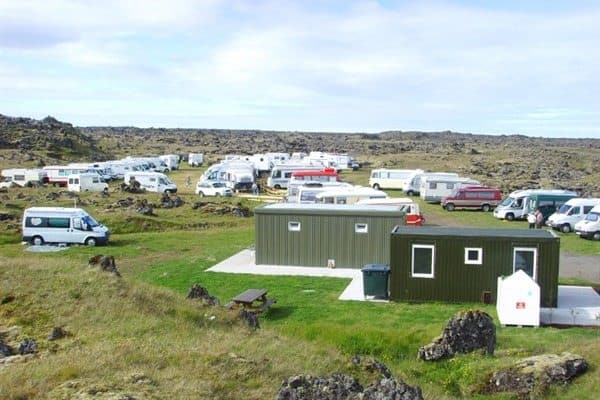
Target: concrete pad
<point>577,305</point>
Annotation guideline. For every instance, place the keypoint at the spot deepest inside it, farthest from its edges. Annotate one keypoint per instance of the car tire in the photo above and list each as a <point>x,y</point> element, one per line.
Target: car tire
<point>90,241</point>
<point>217,194</point>
<point>37,241</point>
<point>376,186</point>
<point>565,228</point>
<point>596,236</point>
<point>449,207</point>
<point>200,194</point>
<point>277,187</point>
<point>410,193</point>
<point>510,217</point>
<point>485,207</point>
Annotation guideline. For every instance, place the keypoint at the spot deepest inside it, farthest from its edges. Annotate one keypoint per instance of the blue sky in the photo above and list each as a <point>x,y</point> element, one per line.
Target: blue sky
<point>505,67</point>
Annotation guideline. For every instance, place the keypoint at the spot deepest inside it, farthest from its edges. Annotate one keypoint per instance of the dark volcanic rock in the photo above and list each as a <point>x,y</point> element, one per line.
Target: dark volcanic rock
<point>201,293</point>
<point>465,332</point>
<point>27,346</point>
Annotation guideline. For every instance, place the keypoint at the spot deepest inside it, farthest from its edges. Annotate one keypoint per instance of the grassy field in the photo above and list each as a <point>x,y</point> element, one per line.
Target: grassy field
<point>138,335</point>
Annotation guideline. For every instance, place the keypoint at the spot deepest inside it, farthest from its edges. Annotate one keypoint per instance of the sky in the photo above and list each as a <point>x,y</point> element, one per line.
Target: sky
<point>490,67</point>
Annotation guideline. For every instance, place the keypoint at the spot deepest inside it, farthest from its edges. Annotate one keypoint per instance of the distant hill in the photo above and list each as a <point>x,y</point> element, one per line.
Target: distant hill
<point>47,140</point>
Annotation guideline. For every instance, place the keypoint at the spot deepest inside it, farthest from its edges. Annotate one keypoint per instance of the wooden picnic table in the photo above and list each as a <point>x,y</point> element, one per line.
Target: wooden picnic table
<point>253,300</point>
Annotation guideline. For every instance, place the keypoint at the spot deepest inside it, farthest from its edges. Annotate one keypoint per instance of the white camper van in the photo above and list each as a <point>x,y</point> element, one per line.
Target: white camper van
<point>282,173</point>
<point>86,182</point>
<point>62,225</point>
<point>413,186</point>
<point>392,178</point>
<point>571,213</point>
<point>349,195</point>
<point>195,159</point>
<point>589,227</point>
<point>171,160</point>
<point>152,181</point>
<point>22,177</point>
<point>306,193</point>
<point>238,174</point>
<point>435,188</point>
<point>521,202</point>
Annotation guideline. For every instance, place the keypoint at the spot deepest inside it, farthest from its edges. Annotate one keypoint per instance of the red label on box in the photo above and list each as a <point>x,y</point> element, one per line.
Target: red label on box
<point>520,305</point>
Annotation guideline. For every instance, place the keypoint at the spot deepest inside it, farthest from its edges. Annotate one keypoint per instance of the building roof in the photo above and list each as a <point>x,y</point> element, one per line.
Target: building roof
<point>329,209</point>
<point>474,232</point>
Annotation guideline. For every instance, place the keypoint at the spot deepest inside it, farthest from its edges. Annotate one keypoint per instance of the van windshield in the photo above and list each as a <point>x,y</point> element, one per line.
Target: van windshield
<point>592,216</point>
<point>563,209</point>
<point>91,222</point>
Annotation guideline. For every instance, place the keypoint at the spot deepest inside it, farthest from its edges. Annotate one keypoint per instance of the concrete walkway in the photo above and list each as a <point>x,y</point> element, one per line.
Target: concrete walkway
<point>577,305</point>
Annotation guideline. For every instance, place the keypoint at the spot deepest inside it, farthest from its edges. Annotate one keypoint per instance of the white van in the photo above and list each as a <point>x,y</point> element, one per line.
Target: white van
<point>521,202</point>
<point>62,225</point>
<point>86,182</point>
<point>349,195</point>
<point>22,177</point>
<point>435,188</point>
<point>195,159</point>
<point>152,181</point>
<point>413,186</point>
<point>589,227</point>
<point>281,174</point>
<point>306,193</point>
<point>392,178</point>
<point>571,213</point>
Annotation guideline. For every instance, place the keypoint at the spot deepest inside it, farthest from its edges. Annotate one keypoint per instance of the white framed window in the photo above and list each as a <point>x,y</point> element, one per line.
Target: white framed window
<point>525,258</point>
<point>294,226</point>
<point>473,255</point>
<point>423,260</point>
<point>361,228</point>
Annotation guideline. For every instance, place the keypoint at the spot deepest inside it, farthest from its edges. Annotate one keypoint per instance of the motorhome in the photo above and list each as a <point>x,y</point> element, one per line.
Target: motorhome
<point>239,174</point>
<point>93,168</point>
<point>349,195</point>
<point>413,186</point>
<point>323,158</point>
<point>412,210</point>
<point>472,198</point>
<point>152,181</point>
<point>195,159</point>
<point>86,182</point>
<point>62,225</point>
<point>282,173</point>
<point>58,175</point>
<point>22,177</point>
<point>171,161</point>
<point>392,178</point>
<point>306,192</point>
<point>521,202</point>
<point>570,213</point>
<point>589,227</point>
<point>435,188</point>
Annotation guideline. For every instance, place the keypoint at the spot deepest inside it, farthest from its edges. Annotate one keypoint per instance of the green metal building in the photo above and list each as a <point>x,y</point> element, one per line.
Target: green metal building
<point>325,235</point>
<point>463,264</point>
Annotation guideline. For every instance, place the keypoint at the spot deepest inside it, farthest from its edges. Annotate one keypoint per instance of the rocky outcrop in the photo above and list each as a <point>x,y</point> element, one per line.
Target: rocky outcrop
<point>237,210</point>
<point>535,374</point>
<point>464,333</point>
<point>198,292</point>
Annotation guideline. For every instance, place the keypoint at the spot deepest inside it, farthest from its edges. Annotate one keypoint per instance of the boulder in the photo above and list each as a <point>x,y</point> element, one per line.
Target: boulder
<point>27,346</point>
<point>200,292</point>
<point>465,332</point>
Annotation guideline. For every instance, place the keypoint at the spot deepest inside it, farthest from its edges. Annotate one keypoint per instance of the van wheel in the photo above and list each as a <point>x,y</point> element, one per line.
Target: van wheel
<point>596,236</point>
<point>450,207</point>
<point>510,217</point>
<point>410,193</point>
<point>37,241</point>
<point>217,194</point>
<point>485,207</point>
<point>200,194</point>
<point>90,241</point>
<point>566,228</point>
<point>277,187</point>
<point>376,186</point>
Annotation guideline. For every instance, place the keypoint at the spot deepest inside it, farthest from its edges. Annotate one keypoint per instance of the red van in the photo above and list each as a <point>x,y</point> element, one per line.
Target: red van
<point>473,197</point>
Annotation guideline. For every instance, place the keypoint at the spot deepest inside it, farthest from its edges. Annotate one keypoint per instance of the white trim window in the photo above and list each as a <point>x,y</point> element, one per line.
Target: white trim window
<point>423,261</point>
<point>294,226</point>
<point>526,258</point>
<point>361,228</point>
<point>473,255</point>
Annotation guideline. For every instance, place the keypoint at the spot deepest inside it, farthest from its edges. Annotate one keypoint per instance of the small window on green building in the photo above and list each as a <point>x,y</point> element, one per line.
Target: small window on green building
<point>361,228</point>
<point>294,226</point>
<point>473,255</point>
<point>423,260</point>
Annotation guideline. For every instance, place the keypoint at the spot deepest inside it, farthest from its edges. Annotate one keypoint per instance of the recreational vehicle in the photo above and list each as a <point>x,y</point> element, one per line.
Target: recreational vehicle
<point>521,202</point>
<point>571,213</point>
<point>413,186</point>
<point>62,225</point>
<point>473,198</point>
<point>435,188</point>
<point>282,173</point>
<point>22,177</point>
<point>238,174</point>
<point>86,182</point>
<point>392,178</point>
<point>306,193</point>
<point>413,213</point>
<point>171,160</point>
<point>195,159</point>
<point>152,181</point>
<point>58,175</point>
<point>349,195</point>
<point>589,227</point>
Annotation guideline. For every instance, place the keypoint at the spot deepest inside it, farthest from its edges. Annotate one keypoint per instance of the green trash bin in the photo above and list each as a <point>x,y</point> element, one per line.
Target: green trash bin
<point>375,280</point>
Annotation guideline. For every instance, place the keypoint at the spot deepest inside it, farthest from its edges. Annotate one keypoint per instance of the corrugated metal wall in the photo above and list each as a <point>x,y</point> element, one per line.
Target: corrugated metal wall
<point>456,281</point>
<point>323,238</point>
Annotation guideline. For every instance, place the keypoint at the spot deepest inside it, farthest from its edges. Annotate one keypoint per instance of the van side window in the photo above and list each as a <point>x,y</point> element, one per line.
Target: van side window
<point>36,222</point>
<point>587,209</point>
<point>77,223</point>
<point>574,211</point>
<point>432,185</point>
<point>55,222</point>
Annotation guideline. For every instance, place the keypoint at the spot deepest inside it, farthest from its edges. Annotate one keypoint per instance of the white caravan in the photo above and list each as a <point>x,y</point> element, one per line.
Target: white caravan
<point>62,225</point>
<point>571,213</point>
<point>282,173</point>
<point>306,192</point>
<point>152,181</point>
<point>171,160</point>
<point>86,182</point>
<point>238,174</point>
<point>349,195</point>
<point>517,204</point>
<point>435,188</point>
<point>89,167</point>
<point>413,186</point>
<point>22,177</point>
<point>589,227</point>
<point>195,159</point>
<point>392,178</point>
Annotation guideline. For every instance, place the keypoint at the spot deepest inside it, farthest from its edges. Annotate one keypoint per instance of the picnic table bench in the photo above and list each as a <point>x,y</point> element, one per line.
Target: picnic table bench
<point>252,300</point>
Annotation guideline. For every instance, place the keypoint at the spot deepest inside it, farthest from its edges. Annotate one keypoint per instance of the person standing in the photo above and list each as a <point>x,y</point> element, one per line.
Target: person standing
<point>532,218</point>
<point>539,219</point>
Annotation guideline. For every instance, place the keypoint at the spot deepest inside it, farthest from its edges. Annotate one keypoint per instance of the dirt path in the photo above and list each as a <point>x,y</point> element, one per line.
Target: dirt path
<point>582,266</point>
